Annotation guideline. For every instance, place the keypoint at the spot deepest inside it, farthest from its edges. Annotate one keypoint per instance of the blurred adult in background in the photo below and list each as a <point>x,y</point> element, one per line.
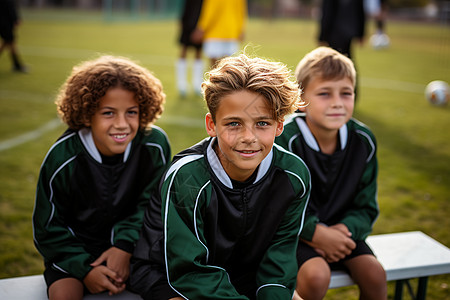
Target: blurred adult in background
<point>9,19</point>
<point>221,27</point>
<point>342,21</point>
<point>188,23</point>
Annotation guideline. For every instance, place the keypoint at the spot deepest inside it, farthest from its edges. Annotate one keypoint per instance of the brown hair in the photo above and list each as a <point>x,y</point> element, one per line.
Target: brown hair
<point>79,97</point>
<point>272,80</point>
<point>325,63</point>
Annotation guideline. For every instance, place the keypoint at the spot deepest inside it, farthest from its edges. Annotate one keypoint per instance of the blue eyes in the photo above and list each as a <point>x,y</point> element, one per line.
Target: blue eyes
<point>258,124</point>
<point>262,123</point>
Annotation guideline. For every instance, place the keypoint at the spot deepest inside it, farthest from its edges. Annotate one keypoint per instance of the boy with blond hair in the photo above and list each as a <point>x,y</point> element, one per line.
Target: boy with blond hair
<point>341,155</point>
<point>232,205</point>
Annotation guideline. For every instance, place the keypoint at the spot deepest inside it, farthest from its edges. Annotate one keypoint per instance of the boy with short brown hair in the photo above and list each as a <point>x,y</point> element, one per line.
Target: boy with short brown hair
<point>341,155</point>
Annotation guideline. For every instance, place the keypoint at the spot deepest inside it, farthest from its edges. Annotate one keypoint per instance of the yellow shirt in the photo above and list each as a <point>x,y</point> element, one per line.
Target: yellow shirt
<point>223,19</point>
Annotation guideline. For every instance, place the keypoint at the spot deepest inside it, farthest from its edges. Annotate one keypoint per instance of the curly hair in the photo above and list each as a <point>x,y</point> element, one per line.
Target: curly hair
<point>79,96</point>
<point>273,80</point>
<point>326,63</point>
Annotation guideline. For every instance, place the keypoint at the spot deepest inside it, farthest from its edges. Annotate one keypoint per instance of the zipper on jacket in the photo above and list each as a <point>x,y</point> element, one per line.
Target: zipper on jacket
<point>244,210</point>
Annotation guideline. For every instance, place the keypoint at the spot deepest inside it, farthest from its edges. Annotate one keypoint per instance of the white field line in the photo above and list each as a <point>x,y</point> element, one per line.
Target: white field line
<point>29,136</point>
<point>35,134</point>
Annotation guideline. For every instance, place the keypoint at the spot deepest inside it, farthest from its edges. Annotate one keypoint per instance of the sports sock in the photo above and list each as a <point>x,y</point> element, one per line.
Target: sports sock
<point>197,75</point>
<point>181,70</point>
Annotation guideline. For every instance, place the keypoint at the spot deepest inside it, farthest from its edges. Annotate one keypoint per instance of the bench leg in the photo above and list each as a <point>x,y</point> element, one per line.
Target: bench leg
<point>422,288</point>
<point>399,289</point>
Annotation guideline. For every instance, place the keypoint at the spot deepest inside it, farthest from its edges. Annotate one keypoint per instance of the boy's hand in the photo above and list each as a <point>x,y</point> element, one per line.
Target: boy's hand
<point>101,278</point>
<point>118,261</point>
<point>333,243</point>
<point>342,228</point>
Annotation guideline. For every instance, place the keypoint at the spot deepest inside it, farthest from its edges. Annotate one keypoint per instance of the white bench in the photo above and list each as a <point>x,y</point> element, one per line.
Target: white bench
<point>34,288</point>
<point>405,255</point>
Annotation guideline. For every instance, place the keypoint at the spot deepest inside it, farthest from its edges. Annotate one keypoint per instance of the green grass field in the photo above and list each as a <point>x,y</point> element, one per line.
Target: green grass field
<point>413,136</point>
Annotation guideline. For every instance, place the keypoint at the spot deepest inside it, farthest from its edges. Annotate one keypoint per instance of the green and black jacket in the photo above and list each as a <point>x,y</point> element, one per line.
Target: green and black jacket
<point>84,205</point>
<point>344,184</point>
<point>216,235</point>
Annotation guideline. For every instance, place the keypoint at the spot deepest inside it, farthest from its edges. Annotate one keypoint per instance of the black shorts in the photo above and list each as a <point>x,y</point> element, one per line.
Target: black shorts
<point>160,290</point>
<point>52,275</point>
<point>185,39</point>
<point>306,252</point>
<point>7,34</point>
<point>149,280</point>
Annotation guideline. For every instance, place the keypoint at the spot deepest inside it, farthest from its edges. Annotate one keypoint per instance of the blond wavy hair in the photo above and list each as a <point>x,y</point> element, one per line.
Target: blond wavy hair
<point>79,96</point>
<point>273,80</point>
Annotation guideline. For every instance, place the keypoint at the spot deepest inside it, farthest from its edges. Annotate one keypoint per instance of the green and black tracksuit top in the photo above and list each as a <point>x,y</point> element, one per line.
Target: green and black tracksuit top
<point>85,206</point>
<point>344,184</point>
<point>222,241</point>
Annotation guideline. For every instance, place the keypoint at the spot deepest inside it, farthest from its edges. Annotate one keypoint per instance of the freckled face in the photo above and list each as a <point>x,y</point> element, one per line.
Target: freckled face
<point>331,104</point>
<point>245,131</point>
<point>116,121</point>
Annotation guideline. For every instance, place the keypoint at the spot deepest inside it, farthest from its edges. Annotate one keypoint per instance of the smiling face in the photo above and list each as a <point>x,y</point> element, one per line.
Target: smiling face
<point>245,131</point>
<point>116,121</point>
<point>330,104</point>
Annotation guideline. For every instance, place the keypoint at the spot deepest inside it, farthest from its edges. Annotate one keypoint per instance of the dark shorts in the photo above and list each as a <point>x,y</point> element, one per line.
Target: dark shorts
<point>185,39</point>
<point>306,252</point>
<point>149,280</point>
<point>160,290</point>
<point>7,34</point>
<point>52,275</point>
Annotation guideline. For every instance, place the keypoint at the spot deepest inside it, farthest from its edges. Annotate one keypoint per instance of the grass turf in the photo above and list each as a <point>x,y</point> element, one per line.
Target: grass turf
<point>412,135</point>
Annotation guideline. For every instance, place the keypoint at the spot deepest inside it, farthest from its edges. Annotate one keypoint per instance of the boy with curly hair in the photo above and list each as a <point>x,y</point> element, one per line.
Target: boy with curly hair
<point>96,180</point>
<point>232,205</point>
<point>341,155</point>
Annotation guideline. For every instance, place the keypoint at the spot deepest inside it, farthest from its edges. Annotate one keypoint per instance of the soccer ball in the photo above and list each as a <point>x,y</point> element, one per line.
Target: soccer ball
<point>437,92</point>
<point>380,41</point>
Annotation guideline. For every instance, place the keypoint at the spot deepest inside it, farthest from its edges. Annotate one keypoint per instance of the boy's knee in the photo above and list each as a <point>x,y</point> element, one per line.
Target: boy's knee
<point>319,277</point>
<point>314,275</point>
<point>373,279</point>
<point>66,289</point>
